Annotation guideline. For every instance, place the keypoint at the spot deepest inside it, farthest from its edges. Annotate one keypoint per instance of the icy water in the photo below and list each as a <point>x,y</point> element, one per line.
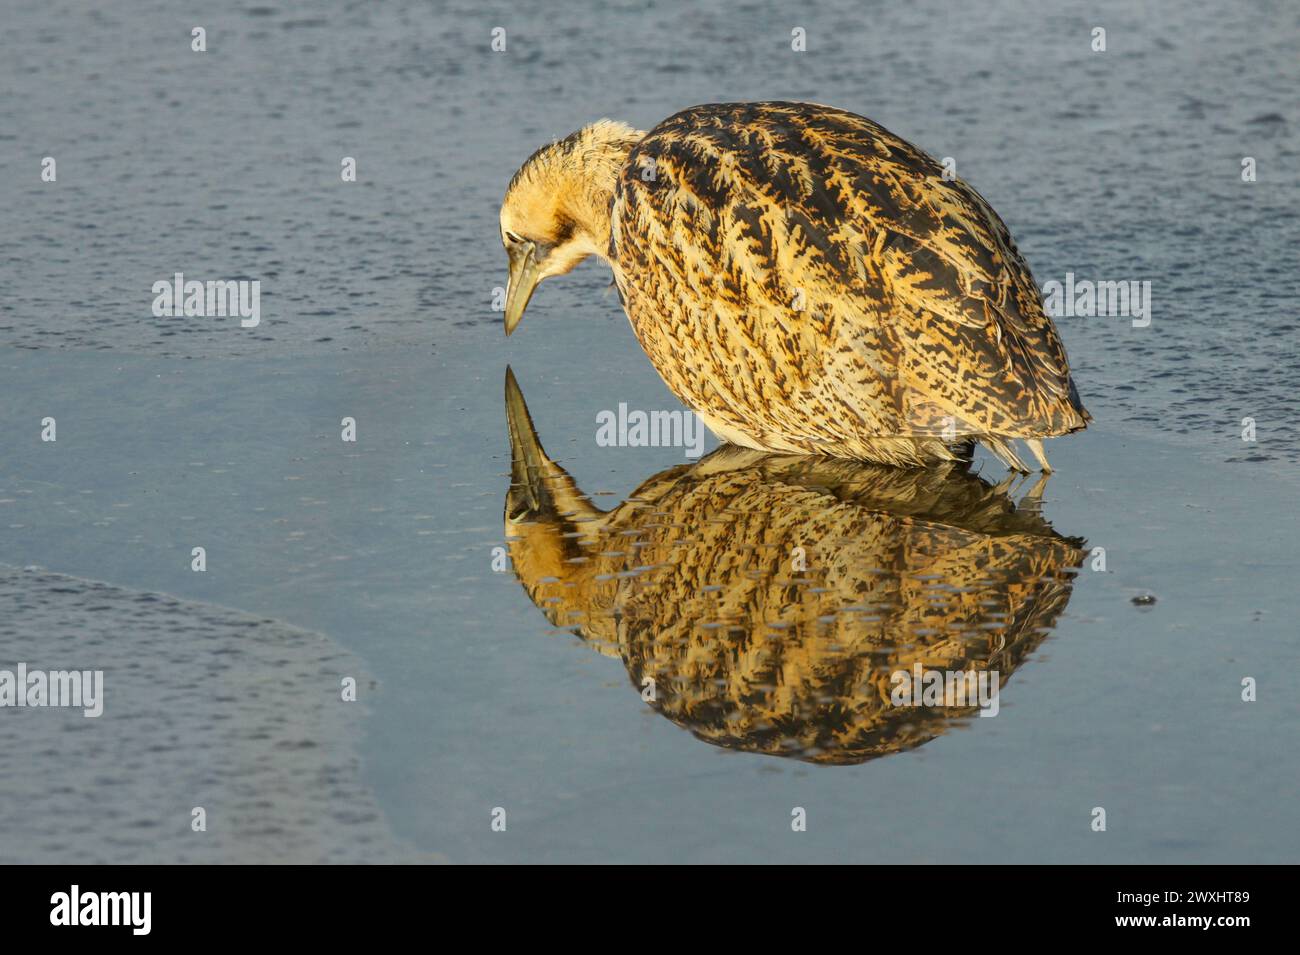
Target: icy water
<point>505,667</point>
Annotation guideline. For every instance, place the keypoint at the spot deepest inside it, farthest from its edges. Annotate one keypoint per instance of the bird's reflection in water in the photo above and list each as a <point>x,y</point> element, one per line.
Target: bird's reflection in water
<point>766,602</point>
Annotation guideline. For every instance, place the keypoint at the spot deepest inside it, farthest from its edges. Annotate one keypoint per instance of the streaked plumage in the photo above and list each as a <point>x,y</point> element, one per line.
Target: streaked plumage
<point>693,583</point>
<point>805,280</point>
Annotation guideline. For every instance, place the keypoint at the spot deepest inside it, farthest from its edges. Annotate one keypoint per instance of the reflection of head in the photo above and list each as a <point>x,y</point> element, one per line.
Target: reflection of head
<point>770,598</point>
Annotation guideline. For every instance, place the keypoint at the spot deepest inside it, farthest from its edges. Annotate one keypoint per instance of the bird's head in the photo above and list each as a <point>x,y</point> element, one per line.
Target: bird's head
<point>556,209</point>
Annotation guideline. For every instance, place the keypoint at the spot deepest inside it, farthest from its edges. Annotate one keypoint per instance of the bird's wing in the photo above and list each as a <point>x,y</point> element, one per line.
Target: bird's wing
<point>910,276</point>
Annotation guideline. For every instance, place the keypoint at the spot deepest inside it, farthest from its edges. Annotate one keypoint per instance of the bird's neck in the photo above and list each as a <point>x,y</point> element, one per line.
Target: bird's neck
<point>591,219</point>
<point>592,183</point>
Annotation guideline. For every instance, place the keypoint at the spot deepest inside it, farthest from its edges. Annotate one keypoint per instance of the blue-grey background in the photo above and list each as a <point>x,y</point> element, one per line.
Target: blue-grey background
<point>328,559</point>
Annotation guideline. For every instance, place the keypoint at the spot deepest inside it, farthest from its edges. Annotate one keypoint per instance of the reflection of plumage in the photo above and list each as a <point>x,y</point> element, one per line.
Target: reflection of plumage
<point>805,280</point>
<point>692,582</point>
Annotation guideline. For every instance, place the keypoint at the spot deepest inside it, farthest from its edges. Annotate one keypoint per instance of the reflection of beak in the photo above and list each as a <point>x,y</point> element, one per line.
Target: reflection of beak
<point>535,480</point>
<point>527,459</point>
<point>524,276</point>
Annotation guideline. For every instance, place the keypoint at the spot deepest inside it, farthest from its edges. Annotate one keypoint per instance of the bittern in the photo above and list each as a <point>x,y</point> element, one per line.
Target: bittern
<point>767,603</point>
<point>805,280</point>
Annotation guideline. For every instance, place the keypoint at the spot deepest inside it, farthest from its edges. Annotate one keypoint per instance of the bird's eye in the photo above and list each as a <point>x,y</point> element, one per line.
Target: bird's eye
<point>512,239</point>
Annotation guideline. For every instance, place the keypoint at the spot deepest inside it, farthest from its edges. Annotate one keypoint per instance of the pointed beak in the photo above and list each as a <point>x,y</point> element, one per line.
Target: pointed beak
<point>524,276</point>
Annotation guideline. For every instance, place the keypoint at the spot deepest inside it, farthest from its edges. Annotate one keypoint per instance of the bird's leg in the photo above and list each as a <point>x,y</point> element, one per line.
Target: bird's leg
<point>1036,448</point>
<point>1004,453</point>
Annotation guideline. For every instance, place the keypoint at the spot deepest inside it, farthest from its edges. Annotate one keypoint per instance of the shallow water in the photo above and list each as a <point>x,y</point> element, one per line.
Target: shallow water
<point>376,558</point>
